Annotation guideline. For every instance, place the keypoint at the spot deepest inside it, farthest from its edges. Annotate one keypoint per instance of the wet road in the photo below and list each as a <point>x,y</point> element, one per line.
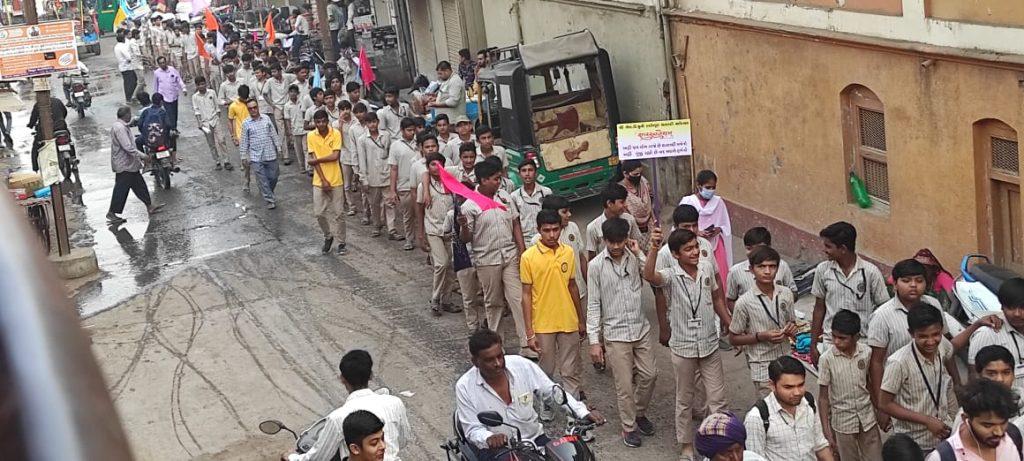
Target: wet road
<point>217,313</point>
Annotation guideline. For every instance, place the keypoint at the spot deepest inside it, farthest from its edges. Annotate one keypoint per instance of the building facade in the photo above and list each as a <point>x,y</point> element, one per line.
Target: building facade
<point>923,99</point>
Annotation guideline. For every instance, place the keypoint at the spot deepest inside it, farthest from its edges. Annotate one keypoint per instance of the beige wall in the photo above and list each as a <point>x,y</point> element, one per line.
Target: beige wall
<point>894,7</point>
<point>1001,12</point>
<point>767,117</point>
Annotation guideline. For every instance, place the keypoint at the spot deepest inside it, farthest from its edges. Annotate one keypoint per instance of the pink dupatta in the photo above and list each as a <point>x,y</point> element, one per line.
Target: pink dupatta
<point>714,212</point>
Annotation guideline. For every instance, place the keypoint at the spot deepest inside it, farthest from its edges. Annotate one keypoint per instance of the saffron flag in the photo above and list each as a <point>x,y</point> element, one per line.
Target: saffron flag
<point>365,68</point>
<point>454,186</point>
<point>268,25</point>
<point>210,20</point>
<point>201,44</point>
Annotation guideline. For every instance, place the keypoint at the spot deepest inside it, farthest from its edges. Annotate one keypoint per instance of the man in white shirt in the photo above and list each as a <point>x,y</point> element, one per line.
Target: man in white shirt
<point>126,64</point>
<point>506,384</point>
<point>451,97</point>
<point>356,370</point>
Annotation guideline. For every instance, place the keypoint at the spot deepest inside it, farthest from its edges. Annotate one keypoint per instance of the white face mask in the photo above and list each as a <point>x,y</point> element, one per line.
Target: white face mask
<point>707,194</point>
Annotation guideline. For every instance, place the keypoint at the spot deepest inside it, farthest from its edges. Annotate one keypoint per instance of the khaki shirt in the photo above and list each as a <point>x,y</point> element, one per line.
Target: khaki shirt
<point>740,279</point>
<point>615,298</point>
<point>756,312</point>
<point>846,376</point>
<point>595,236</point>
<point>915,390</point>
<point>440,204</point>
<point>691,313</point>
<point>401,155</point>
<point>493,243</point>
<point>861,291</point>
<point>888,327</point>
<point>373,160</point>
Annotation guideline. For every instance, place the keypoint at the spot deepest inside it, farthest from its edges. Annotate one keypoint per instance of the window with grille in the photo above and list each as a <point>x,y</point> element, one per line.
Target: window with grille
<point>1004,156</point>
<point>866,143</point>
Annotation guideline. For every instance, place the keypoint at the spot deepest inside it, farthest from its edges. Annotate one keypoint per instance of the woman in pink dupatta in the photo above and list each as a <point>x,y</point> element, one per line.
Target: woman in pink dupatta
<point>713,214</point>
<point>639,201</point>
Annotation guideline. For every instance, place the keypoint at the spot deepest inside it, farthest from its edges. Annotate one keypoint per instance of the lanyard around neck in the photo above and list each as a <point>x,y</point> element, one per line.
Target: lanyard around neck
<point>937,394</point>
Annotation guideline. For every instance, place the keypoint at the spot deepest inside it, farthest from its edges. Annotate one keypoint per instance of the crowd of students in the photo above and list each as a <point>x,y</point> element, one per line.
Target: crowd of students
<point>886,363</point>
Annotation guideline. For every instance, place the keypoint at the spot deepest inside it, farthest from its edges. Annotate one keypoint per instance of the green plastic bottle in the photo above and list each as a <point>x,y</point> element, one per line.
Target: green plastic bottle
<point>859,191</point>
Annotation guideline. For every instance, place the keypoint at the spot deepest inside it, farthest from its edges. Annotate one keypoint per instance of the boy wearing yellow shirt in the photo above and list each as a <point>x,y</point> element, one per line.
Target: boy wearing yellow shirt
<point>238,113</point>
<point>324,148</point>
<point>554,318</point>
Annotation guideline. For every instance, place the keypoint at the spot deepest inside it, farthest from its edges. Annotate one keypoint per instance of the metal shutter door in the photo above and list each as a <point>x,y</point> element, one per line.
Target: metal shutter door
<point>454,33</point>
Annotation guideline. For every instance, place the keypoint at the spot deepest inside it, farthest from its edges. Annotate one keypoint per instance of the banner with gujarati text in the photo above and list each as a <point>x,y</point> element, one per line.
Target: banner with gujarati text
<point>643,140</point>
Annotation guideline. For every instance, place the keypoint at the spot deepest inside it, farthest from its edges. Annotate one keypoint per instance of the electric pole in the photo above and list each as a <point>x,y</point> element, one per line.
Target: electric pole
<point>41,86</point>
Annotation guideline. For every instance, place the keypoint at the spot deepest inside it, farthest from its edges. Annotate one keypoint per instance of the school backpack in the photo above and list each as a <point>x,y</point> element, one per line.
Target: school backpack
<point>946,452</point>
<point>762,408</point>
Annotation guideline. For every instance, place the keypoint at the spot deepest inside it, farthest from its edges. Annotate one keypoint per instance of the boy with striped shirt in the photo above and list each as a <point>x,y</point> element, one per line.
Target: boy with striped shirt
<point>847,407</point>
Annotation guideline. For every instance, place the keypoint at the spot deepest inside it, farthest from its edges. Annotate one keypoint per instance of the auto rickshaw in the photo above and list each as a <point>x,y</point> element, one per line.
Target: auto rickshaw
<point>554,101</point>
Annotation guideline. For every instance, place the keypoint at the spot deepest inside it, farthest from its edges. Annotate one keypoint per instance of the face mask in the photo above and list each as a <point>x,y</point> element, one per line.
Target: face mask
<point>707,194</point>
<point>635,180</point>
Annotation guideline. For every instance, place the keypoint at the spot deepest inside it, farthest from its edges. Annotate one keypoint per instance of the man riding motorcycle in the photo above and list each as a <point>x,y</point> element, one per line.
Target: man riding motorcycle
<point>59,113</point>
<point>155,128</point>
<point>506,384</point>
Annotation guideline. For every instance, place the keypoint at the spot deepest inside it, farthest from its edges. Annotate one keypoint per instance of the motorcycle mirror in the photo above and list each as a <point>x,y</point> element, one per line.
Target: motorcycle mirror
<point>271,427</point>
<point>558,393</point>
<point>490,418</point>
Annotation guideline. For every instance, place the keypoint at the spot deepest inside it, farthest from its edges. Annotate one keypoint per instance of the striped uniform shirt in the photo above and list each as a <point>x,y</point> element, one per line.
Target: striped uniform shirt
<point>889,329</point>
<point>691,313</point>
<point>259,140</point>
<point>927,390</point>
<point>390,410</point>
<point>493,244</point>
<point>614,298</point>
<point>461,174</point>
<point>595,236</point>
<point>1008,337</point>
<point>757,312</point>
<point>741,279</point>
<point>529,206</point>
<point>374,170</point>
<point>860,292</point>
<point>846,376</point>
<point>794,437</point>
<point>665,258</point>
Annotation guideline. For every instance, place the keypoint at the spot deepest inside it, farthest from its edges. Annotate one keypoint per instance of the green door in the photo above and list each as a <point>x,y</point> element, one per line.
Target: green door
<point>105,14</point>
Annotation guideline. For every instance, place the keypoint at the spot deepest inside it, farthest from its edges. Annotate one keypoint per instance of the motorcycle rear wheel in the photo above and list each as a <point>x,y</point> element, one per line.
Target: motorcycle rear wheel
<point>81,110</point>
<point>165,173</point>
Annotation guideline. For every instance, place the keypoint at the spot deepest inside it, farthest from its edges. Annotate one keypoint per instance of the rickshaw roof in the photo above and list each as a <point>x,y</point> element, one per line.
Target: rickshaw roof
<point>559,49</point>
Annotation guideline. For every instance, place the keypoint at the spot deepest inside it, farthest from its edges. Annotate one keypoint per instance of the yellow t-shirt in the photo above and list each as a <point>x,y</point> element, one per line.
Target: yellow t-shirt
<point>323,146</point>
<point>549,271</point>
<point>237,114</point>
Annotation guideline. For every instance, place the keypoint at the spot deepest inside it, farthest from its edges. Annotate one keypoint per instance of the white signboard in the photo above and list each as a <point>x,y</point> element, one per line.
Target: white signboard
<point>643,140</point>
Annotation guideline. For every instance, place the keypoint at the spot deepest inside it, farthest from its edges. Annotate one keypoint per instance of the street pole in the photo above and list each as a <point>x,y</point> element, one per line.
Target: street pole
<point>330,53</point>
<point>41,86</point>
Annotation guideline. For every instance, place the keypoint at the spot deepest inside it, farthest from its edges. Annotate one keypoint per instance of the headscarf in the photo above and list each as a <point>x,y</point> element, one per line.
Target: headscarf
<point>718,432</point>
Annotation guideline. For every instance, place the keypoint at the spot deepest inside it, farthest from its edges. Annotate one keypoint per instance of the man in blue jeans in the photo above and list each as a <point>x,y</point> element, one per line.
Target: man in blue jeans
<point>259,144</point>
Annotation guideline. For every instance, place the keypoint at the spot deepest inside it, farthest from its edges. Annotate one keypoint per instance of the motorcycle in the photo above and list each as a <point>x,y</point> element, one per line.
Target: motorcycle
<point>977,286</point>
<point>67,156</point>
<point>569,447</point>
<point>160,164</point>
<point>76,89</point>
<point>303,441</point>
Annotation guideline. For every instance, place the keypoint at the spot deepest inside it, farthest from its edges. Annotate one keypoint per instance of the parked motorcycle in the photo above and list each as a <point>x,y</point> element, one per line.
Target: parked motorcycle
<point>76,89</point>
<point>67,156</point>
<point>569,447</point>
<point>977,286</point>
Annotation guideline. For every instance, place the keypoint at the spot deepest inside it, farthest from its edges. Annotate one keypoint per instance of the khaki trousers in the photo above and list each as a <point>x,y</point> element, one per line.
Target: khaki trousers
<point>375,198</point>
<point>634,370</point>
<point>713,378</point>
<point>353,193</point>
<point>278,118</point>
<point>863,445</point>
<point>561,352</point>
<point>299,145</point>
<point>215,140</point>
<point>472,297</point>
<point>404,206</point>
<point>502,287</point>
<point>327,207</point>
<point>441,259</point>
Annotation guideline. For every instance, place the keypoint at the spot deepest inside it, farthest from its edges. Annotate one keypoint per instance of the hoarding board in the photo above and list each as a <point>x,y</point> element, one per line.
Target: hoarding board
<point>643,140</point>
<point>29,51</point>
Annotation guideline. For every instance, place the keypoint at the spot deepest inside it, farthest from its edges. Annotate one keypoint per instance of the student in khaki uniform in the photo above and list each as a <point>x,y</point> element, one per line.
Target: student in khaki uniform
<point>916,389</point>
<point>295,126</point>
<point>433,238</point>
<point>740,278</point>
<point>763,318</point>
<point>497,243</point>
<point>400,200</point>
<point>373,171</point>
<point>324,144</point>
<point>552,312</point>
<point>847,409</point>
<point>693,298</point>
<point>615,310</point>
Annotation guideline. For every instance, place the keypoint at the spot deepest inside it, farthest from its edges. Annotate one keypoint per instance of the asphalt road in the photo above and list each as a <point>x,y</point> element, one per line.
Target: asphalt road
<point>217,313</point>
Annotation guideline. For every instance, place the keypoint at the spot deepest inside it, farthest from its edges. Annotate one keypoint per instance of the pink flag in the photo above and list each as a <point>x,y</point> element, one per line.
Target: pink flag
<point>365,68</point>
<point>454,186</point>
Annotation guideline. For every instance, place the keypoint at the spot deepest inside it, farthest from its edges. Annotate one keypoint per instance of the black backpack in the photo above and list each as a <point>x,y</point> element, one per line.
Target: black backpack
<point>762,408</point>
<point>946,450</point>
